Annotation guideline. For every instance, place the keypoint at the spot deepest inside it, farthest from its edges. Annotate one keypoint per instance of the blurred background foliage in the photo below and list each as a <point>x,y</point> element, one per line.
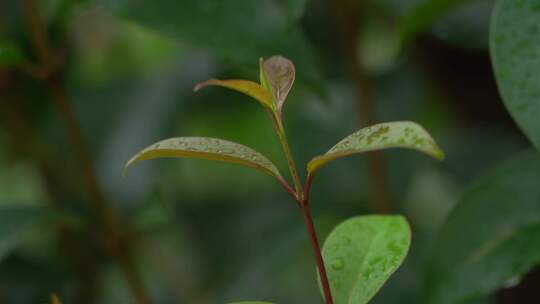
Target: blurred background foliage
<point>198,232</point>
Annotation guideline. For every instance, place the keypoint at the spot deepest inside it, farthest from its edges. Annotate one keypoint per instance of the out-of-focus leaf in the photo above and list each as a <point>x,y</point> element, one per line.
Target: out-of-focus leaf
<point>492,236</point>
<point>378,45</point>
<point>515,52</point>
<point>247,87</point>
<point>55,299</point>
<point>278,74</point>
<point>16,223</point>
<point>236,32</point>
<point>107,49</point>
<point>10,53</point>
<point>362,253</point>
<point>466,26</point>
<point>207,148</point>
<point>424,15</point>
<point>402,134</point>
<point>295,8</point>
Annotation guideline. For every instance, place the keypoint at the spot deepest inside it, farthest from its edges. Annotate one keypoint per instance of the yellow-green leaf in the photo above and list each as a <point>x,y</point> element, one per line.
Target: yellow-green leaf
<point>207,148</point>
<point>401,134</point>
<point>277,75</point>
<point>247,87</point>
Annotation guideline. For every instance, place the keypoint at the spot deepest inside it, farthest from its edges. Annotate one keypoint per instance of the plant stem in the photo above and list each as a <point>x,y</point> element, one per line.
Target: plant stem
<point>301,197</point>
<point>308,220</point>
<point>280,129</point>
<point>54,80</point>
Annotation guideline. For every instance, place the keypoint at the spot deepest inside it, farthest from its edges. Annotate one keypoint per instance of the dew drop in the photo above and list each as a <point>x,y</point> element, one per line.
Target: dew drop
<point>337,264</point>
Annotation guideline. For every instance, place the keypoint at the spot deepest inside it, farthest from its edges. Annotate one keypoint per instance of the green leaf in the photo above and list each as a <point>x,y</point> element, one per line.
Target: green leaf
<point>424,15</point>
<point>491,237</point>
<point>362,253</point>
<point>515,53</point>
<point>277,74</point>
<point>16,223</point>
<point>247,87</point>
<point>10,53</point>
<point>401,134</point>
<point>207,148</point>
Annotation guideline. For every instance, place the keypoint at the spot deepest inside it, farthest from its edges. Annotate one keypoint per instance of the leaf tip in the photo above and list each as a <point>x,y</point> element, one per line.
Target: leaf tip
<point>128,164</point>
<point>439,154</point>
<point>203,84</point>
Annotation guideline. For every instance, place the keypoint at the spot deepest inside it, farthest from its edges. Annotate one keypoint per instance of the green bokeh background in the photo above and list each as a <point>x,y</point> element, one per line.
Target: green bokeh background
<point>218,233</point>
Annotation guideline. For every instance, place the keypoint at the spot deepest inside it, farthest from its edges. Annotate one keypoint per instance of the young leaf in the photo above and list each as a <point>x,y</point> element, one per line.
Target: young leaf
<point>362,253</point>
<point>207,148</point>
<point>402,134</point>
<point>515,49</point>
<point>278,75</point>
<point>247,87</point>
<point>491,237</point>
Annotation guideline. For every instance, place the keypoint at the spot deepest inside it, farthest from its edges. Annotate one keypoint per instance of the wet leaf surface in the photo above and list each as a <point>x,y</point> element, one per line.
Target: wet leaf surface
<point>403,134</point>
<point>491,236</point>
<point>207,148</point>
<point>362,253</point>
<point>515,53</point>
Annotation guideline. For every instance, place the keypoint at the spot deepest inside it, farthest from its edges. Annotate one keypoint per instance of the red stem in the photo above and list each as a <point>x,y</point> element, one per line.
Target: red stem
<point>308,219</point>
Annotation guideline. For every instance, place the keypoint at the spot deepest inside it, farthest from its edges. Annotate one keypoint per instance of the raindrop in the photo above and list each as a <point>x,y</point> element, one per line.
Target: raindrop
<point>337,264</point>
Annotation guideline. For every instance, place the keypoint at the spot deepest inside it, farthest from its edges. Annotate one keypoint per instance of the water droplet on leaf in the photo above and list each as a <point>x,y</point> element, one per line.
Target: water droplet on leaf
<point>337,264</point>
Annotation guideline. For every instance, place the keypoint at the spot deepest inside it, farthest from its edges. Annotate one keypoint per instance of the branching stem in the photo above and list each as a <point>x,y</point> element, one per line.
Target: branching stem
<point>301,196</point>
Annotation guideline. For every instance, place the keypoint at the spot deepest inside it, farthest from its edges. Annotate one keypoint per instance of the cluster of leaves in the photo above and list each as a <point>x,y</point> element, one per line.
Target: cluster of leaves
<point>362,252</point>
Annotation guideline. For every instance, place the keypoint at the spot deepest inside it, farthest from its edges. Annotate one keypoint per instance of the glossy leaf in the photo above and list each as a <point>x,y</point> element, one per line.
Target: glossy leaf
<point>9,53</point>
<point>16,223</point>
<point>278,76</point>
<point>515,52</point>
<point>362,253</point>
<point>402,134</point>
<point>247,87</point>
<point>491,237</point>
<point>207,148</point>
<point>423,15</point>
